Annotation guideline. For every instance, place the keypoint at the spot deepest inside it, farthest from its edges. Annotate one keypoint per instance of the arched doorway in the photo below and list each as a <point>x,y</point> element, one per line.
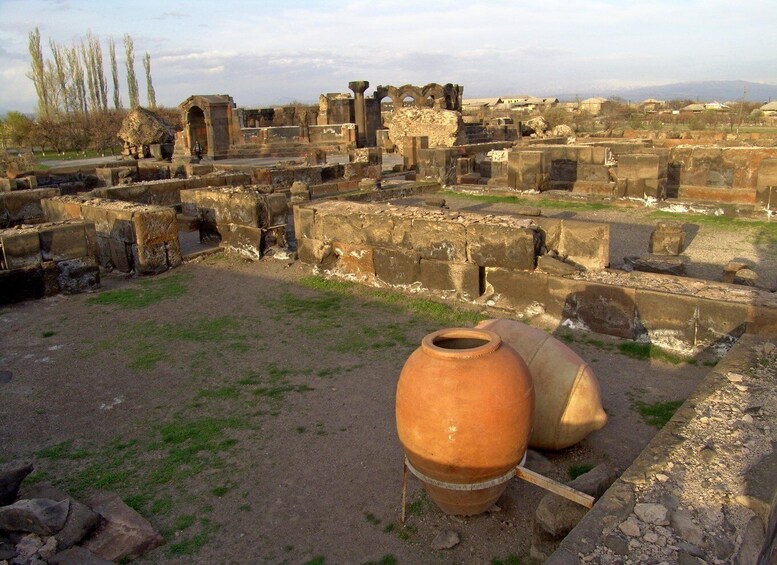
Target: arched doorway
<point>198,131</point>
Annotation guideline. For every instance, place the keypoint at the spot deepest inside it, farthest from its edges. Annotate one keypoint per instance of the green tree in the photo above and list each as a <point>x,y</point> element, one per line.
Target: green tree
<point>151,95</point>
<point>114,75</point>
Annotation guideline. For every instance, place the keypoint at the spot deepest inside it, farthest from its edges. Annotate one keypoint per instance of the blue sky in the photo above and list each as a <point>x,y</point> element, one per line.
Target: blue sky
<point>274,52</point>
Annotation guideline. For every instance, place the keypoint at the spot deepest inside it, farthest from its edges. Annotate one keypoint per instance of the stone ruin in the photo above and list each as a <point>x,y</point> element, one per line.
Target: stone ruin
<point>60,228</point>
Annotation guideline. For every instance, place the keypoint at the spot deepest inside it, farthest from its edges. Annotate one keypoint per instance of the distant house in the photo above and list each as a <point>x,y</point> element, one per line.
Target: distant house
<point>592,105</point>
<point>652,105</point>
<point>570,107</point>
<point>698,107</point>
<point>480,103</point>
<point>529,103</point>
<point>769,109</point>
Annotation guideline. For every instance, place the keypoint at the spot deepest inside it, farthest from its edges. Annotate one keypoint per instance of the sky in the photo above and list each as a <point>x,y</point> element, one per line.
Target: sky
<point>274,52</point>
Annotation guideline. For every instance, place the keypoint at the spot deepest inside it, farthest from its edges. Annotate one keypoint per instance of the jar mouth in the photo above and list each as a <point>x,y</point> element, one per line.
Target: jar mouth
<point>460,343</point>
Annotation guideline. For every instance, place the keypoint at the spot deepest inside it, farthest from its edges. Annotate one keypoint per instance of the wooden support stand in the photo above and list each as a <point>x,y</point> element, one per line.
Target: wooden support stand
<point>530,477</point>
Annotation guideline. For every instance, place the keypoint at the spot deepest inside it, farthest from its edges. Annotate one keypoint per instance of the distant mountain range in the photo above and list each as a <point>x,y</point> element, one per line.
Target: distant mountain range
<point>706,91</point>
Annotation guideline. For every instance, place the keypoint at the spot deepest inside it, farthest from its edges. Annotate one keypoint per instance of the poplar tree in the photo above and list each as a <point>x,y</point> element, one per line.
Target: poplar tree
<point>132,81</point>
<point>38,74</point>
<point>114,75</point>
<point>150,94</point>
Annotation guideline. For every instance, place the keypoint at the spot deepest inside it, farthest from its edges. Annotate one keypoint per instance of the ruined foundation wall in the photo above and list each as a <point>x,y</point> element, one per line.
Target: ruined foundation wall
<point>130,237</point>
<point>246,220</point>
<point>46,259</point>
<point>435,249</point>
<point>707,482</point>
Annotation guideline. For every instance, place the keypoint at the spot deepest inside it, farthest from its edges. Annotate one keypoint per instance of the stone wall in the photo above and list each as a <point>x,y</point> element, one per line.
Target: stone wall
<point>46,259</point>
<point>437,250</point>
<point>338,135</point>
<point>130,237</point>
<point>247,220</point>
<point>166,192</point>
<point>459,164</point>
<point>23,206</point>
<point>443,128</point>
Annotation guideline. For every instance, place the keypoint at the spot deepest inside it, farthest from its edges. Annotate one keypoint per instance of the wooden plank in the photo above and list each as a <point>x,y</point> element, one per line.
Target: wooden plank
<point>555,487</point>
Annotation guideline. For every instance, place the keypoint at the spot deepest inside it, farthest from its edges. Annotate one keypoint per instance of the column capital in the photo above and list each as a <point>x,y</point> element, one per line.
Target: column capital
<point>359,86</point>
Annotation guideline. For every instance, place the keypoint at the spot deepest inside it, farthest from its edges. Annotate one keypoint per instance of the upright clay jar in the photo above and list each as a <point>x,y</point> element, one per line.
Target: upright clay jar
<point>464,411</point>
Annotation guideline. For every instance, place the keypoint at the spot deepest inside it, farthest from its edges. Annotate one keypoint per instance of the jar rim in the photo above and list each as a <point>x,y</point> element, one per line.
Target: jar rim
<point>491,340</point>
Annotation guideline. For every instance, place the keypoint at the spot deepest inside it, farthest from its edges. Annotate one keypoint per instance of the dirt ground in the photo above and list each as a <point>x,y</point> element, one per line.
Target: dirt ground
<point>247,410</point>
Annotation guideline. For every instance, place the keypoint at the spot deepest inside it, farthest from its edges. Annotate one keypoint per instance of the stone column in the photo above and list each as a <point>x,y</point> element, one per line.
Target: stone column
<point>360,110</point>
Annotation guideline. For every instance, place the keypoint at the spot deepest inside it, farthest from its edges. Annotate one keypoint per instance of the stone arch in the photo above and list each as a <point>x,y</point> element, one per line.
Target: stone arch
<point>214,114</point>
<point>197,129</point>
<point>446,97</point>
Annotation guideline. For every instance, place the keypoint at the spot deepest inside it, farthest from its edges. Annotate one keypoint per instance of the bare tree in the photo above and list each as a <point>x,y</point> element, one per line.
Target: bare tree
<point>132,81</point>
<point>38,74</point>
<point>115,75</point>
<point>151,95</point>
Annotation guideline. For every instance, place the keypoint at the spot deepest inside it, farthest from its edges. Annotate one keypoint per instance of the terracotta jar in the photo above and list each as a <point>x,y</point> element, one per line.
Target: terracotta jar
<point>568,404</point>
<point>464,409</point>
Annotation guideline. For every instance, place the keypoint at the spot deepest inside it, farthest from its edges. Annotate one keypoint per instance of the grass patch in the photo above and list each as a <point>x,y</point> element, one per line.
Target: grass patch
<point>576,470</point>
<point>317,560</point>
<point>511,559</point>
<point>371,518</point>
<point>47,333</point>
<point>418,505</point>
<point>648,351</point>
<point>278,392</point>
<point>387,559</point>
<point>62,450</point>
<point>221,393</point>
<point>145,293</point>
<point>538,202</point>
<point>184,522</point>
<point>658,413</point>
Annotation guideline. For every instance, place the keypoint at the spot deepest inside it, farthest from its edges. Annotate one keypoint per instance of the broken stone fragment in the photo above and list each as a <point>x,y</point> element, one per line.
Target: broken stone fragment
<point>124,533</point>
<point>650,513</point>
<point>662,264</point>
<point>36,515</point>
<point>445,540</point>
<point>11,476</point>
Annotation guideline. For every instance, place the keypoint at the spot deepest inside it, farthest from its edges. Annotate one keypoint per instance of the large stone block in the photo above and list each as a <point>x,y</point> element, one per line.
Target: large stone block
<point>461,278</point>
<point>62,208</point>
<point>525,170</point>
<point>601,308</point>
<point>767,173</point>
<point>243,240</point>
<point>502,246</point>
<point>592,173</point>
<point>304,221</point>
<point>77,275</point>
<point>395,267</point>
<point>154,226</point>
<point>720,321</point>
<point>26,283</point>
<point>340,225</point>
<point>357,260</point>
<point>315,252</point>
<point>641,166</point>
<point>519,290</point>
<point>668,238</point>
<point>585,243</point>
<point>66,241</point>
<point>668,319</point>
<point>23,206</point>
<point>441,240</point>
<point>20,248</point>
